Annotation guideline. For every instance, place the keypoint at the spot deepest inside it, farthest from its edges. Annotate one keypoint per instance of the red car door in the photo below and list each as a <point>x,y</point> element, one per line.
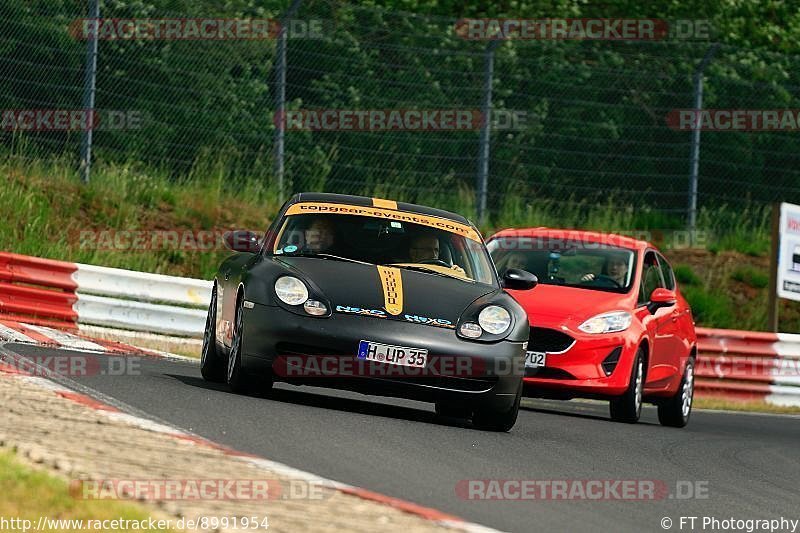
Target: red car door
<point>678,342</point>
<point>662,327</point>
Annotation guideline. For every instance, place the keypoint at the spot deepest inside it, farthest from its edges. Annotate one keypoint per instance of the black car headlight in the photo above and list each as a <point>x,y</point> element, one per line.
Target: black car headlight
<point>494,319</point>
<point>291,290</point>
<point>486,320</point>
<point>301,297</point>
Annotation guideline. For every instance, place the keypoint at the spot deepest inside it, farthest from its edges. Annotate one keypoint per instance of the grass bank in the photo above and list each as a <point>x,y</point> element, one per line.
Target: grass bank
<point>28,494</point>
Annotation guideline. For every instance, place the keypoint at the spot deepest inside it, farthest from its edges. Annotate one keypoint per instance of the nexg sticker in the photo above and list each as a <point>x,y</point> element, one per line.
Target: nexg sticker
<point>377,313</point>
<point>289,249</point>
<point>438,322</point>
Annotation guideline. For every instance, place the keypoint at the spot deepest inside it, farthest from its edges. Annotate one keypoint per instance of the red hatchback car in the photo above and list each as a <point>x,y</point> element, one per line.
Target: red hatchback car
<point>607,321</point>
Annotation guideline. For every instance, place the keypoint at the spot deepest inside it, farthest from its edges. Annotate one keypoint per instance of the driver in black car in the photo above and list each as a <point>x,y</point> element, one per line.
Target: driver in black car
<point>615,268</point>
<point>320,236</point>
<point>424,247</point>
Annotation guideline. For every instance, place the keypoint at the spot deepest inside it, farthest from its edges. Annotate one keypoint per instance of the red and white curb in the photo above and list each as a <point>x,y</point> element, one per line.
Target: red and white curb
<point>47,337</point>
<point>22,333</point>
<point>117,413</point>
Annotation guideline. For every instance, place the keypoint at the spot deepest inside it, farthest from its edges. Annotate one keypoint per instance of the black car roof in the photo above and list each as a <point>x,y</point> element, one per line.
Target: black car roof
<point>366,201</point>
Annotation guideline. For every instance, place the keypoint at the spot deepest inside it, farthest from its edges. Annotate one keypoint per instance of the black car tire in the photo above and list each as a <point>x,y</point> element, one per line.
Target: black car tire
<point>236,376</point>
<point>676,411</point>
<point>628,407</point>
<point>240,380</point>
<point>494,420</point>
<point>212,366</point>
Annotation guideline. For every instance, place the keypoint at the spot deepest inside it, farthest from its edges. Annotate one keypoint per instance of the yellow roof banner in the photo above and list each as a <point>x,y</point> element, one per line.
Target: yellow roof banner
<point>306,208</point>
<point>388,204</point>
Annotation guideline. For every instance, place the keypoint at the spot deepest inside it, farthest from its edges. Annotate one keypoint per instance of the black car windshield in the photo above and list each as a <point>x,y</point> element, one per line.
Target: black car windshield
<point>556,262</point>
<point>383,241</point>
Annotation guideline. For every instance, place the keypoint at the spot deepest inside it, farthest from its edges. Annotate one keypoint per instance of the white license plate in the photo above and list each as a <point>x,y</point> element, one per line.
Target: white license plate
<point>397,355</point>
<point>535,359</point>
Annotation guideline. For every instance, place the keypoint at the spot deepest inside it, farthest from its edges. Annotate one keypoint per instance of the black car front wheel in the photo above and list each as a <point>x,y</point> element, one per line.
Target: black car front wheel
<point>236,376</point>
<point>239,379</point>
<point>212,366</point>
<point>498,420</point>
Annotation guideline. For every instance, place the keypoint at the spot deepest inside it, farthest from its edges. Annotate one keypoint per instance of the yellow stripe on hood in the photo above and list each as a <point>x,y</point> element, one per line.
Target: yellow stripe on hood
<point>392,289</point>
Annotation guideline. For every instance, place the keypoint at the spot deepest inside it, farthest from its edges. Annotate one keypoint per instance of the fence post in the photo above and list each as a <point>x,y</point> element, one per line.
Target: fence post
<point>89,84</point>
<point>695,157</point>
<point>486,130</point>
<point>773,302</point>
<point>280,98</point>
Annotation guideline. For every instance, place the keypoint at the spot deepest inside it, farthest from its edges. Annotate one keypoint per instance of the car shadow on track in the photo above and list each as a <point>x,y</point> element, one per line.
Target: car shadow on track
<point>587,411</point>
<point>548,410</point>
<point>332,402</point>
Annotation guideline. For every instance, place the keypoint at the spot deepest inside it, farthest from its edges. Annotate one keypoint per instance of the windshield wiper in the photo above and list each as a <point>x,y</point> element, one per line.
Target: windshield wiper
<point>325,256</point>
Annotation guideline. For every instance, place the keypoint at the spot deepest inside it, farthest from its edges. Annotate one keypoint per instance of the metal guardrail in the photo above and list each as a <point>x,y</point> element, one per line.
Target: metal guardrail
<point>142,286</point>
<point>748,365</point>
<point>66,294</point>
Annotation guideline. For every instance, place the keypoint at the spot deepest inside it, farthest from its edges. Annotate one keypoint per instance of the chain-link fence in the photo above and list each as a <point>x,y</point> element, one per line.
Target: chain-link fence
<point>572,121</point>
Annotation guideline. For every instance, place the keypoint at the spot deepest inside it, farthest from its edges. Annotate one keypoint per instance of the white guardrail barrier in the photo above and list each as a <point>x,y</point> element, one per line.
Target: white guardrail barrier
<point>140,301</point>
<point>74,293</point>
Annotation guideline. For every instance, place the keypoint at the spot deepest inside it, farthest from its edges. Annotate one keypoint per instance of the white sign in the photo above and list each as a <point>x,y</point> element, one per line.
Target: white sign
<point>789,252</point>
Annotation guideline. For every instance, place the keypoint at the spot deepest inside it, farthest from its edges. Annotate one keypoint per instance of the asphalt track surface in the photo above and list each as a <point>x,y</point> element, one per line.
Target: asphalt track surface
<point>748,464</point>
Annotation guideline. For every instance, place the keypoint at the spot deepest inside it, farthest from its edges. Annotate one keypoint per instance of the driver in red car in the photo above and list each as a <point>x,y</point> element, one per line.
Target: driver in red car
<point>615,268</point>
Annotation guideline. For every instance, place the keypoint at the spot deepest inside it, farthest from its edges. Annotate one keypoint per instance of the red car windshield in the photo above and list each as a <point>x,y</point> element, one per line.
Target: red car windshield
<point>582,264</point>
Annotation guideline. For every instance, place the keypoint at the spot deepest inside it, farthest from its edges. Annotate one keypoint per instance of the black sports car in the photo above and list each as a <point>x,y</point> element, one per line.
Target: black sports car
<point>382,297</point>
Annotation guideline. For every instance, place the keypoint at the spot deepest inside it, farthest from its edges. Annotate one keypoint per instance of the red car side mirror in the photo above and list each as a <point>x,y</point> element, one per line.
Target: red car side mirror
<point>662,297</point>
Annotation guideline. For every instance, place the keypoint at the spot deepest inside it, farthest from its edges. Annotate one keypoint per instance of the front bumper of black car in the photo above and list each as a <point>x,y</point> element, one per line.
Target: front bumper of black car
<point>292,348</point>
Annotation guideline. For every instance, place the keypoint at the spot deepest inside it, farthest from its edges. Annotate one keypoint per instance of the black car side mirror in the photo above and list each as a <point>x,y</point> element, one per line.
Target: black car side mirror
<point>241,241</point>
<point>520,280</point>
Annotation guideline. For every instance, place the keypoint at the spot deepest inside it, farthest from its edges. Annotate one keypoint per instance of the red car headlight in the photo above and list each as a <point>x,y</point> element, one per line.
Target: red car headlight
<point>607,322</point>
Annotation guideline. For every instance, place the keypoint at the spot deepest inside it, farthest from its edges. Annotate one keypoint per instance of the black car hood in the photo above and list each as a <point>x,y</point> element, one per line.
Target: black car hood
<point>356,285</point>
